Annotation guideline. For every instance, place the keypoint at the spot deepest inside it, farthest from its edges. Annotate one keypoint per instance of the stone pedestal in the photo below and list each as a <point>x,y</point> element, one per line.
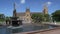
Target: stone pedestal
<point>16,22</point>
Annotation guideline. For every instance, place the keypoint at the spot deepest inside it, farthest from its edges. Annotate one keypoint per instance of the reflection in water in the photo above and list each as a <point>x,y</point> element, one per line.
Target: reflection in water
<point>31,28</point>
<point>17,30</point>
<point>5,30</point>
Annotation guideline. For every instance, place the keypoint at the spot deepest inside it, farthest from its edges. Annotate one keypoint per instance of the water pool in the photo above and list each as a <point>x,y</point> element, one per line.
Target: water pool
<point>24,28</point>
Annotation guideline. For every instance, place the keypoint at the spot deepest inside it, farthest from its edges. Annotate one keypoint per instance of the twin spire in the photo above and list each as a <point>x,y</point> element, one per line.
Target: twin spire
<point>45,11</point>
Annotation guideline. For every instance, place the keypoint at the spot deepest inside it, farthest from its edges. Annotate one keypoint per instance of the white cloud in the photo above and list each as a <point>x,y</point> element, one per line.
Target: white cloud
<point>49,3</point>
<point>22,1</point>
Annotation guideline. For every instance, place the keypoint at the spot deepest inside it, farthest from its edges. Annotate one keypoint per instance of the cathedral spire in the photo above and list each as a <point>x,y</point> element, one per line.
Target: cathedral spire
<point>45,10</point>
<point>27,9</point>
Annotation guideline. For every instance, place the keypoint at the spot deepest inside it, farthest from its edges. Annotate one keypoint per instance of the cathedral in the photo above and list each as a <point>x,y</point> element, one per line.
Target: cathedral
<point>26,16</point>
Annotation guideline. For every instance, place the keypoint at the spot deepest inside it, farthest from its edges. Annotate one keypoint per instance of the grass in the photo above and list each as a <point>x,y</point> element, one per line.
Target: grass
<point>2,21</point>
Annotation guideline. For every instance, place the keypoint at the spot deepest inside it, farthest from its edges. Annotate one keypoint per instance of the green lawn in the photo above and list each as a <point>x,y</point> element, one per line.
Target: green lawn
<point>1,21</point>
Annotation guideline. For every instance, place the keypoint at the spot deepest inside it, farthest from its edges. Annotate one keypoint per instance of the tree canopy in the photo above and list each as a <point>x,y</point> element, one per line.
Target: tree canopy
<point>2,17</point>
<point>37,17</point>
<point>46,17</point>
<point>56,15</point>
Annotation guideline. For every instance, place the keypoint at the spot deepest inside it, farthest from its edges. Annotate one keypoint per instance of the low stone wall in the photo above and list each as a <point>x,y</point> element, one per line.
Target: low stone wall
<point>38,31</point>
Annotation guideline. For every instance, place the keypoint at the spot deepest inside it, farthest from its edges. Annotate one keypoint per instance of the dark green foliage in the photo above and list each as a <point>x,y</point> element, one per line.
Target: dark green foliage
<point>7,18</point>
<point>56,15</point>
<point>46,17</point>
<point>37,17</point>
<point>2,17</point>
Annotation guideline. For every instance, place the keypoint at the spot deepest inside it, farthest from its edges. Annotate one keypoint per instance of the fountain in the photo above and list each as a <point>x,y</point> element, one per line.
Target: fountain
<point>14,19</point>
<point>14,22</point>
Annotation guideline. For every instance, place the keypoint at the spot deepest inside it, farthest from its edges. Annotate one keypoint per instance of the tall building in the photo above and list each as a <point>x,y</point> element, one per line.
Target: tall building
<point>26,16</point>
<point>45,9</point>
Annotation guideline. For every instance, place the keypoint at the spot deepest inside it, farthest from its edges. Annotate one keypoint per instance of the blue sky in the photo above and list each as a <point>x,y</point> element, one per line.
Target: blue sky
<point>6,6</point>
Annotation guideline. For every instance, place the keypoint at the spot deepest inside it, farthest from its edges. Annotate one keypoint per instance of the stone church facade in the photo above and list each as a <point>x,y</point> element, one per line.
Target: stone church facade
<point>26,16</point>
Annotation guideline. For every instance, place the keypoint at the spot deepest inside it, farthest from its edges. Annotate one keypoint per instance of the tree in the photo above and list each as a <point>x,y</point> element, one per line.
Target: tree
<point>37,17</point>
<point>7,18</point>
<point>56,15</point>
<point>46,17</point>
<point>2,17</point>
